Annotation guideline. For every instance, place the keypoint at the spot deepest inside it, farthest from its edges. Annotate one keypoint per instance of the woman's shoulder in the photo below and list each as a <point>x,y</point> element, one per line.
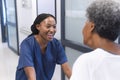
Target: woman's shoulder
<point>55,41</point>
<point>28,40</point>
<point>93,55</point>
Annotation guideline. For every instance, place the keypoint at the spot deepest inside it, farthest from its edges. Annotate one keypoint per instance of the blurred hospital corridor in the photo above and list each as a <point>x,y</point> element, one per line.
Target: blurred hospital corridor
<point>8,62</point>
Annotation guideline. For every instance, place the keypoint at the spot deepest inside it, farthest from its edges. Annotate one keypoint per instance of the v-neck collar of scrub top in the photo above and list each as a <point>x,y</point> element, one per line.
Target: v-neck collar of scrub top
<point>41,58</point>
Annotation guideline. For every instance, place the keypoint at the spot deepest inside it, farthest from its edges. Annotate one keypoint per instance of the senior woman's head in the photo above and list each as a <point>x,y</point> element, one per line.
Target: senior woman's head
<point>103,19</point>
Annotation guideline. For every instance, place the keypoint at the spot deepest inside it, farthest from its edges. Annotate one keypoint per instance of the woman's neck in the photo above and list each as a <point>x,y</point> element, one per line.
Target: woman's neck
<point>109,46</point>
<point>42,43</point>
<point>112,47</point>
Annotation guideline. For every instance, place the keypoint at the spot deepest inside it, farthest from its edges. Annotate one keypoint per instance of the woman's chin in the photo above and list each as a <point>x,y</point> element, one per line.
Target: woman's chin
<point>50,39</point>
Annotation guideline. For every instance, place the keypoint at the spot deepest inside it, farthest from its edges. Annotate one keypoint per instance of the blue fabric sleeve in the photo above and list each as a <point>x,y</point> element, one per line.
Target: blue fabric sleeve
<point>61,56</point>
<point>26,55</point>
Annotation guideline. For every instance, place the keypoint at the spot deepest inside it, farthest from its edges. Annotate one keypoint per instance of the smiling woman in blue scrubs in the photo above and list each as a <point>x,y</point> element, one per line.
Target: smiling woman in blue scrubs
<point>40,51</point>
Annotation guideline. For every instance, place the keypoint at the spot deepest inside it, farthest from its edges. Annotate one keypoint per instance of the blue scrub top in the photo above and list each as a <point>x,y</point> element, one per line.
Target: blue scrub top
<point>44,64</point>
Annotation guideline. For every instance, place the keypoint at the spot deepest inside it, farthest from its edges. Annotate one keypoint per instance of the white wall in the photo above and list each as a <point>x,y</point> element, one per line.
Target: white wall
<point>26,13</point>
<point>58,15</point>
<point>45,6</point>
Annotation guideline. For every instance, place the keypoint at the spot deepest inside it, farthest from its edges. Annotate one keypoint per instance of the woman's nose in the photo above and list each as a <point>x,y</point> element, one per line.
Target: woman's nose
<point>52,29</point>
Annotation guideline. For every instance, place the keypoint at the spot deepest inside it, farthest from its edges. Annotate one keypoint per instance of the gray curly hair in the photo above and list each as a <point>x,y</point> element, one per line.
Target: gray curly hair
<point>105,14</point>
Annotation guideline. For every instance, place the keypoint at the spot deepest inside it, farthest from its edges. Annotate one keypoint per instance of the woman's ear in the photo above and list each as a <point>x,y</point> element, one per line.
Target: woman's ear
<point>37,26</point>
<point>91,26</point>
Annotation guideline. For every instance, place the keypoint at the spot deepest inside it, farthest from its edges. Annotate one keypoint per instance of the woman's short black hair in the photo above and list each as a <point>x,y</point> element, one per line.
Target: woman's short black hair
<point>38,20</point>
<point>105,14</point>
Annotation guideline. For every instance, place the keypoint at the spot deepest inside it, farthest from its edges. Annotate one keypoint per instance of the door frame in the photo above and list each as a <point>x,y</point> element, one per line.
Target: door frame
<point>16,26</point>
<point>3,21</point>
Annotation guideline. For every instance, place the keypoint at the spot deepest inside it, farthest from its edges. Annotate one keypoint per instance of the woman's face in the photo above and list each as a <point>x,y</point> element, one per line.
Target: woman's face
<point>47,29</point>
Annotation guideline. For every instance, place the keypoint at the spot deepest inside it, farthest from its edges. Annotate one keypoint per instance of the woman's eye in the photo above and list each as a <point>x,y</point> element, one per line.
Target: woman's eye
<point>51,26</point>
<point>48,26</point>
<point>54,26</point>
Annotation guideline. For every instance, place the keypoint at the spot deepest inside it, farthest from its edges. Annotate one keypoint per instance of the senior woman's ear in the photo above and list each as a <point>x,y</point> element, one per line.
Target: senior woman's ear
<point>91,26</point>
<point>88,28</point>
